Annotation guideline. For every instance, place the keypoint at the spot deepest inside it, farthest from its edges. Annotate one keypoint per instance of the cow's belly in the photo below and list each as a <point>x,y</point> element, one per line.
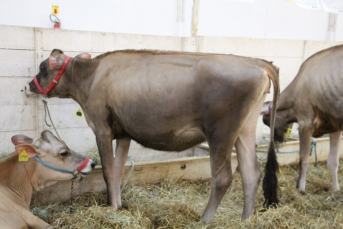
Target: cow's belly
<point>325,123</point>
<point>170,141</point>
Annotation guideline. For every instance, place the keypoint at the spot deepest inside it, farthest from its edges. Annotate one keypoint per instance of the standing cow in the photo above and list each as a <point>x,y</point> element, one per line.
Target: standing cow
<point>42,162</point>
<point>314,99</point>
<point>170,101</point>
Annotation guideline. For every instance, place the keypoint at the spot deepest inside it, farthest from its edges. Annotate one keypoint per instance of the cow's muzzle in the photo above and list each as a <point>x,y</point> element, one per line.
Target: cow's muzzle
<point>28,91</point>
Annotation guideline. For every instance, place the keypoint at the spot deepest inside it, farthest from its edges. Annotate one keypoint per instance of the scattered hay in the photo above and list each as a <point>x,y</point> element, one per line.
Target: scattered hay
<point>3,154</point>
<point>94,155</point>
<point>179,204</point>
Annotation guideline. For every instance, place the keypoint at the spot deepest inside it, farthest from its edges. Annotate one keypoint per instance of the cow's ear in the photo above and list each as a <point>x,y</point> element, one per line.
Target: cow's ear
<point>56,52</point>
<point>55,63</point>
<point>84,55</point>
<point>21,139</point>
<point>30,150</point>
<point>266,108</point>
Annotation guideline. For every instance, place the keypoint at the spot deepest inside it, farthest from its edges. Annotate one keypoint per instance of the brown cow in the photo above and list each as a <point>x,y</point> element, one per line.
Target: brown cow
<point>314,99</point>
<point>170,101</point>
<point>18,179</point>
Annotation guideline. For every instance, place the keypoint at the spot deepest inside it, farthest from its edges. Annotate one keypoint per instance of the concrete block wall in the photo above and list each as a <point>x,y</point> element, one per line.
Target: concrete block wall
<point>23,48</point>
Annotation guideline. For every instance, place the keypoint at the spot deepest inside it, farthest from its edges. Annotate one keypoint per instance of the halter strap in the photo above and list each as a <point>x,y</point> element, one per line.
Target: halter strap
<point>55,80</point>
<point>74,172</point>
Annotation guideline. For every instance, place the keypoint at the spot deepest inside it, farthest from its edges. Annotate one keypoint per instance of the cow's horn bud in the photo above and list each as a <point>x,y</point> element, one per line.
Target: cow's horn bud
<point>54,63</point>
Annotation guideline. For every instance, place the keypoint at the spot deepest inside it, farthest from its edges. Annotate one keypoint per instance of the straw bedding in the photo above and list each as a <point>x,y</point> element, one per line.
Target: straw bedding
<point>179,204</point>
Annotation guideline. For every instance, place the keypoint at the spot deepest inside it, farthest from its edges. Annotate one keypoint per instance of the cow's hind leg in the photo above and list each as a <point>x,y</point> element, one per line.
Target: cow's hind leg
<point>122,149</point>
<point>248,165</point>
<point>220,159</point>
<point>333,159</point>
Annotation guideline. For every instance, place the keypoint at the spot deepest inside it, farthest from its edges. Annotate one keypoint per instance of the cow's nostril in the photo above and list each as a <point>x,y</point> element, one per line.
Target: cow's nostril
<point>93,165</point>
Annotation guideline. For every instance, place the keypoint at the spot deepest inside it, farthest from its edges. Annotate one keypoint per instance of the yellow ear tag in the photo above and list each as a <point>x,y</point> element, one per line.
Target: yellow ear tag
<point>288,132</point>
<point>23,156</point>
<point>78,113</point>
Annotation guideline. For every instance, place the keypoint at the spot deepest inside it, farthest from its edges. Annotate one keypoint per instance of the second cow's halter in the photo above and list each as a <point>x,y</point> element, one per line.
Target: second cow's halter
<point>73,172</point>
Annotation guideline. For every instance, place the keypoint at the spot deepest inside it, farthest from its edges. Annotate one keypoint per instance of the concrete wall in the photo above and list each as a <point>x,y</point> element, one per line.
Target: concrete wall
<point>23,48</point>
<point>273,19</point>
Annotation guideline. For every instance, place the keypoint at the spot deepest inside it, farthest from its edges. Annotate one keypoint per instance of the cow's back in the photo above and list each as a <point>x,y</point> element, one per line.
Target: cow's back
<point>320,79</point>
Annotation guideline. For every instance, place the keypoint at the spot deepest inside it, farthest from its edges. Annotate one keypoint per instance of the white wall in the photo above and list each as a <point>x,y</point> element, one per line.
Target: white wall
<point>130,16</point>
<point>261,19</point>
<point>277,31</point>
<point>272,19</point>
<point>23,48</point>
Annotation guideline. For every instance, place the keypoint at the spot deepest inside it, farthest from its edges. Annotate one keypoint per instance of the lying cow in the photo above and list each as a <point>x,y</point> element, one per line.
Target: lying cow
<point>36,170</point>
<point>170,101</point>
<point>314,99</point>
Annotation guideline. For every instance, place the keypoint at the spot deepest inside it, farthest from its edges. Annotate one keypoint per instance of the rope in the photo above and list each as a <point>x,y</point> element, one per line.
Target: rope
<point>46,110</point>
<point>71,207</point>
<point>128,177</point>
<point>313,145</point>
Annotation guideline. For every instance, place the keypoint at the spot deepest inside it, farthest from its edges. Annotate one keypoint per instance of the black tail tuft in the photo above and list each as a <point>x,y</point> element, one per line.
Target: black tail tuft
<point>270,181</point>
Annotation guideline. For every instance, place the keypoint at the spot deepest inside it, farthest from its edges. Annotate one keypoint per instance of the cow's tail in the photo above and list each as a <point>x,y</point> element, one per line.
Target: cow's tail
<point>270,180</point>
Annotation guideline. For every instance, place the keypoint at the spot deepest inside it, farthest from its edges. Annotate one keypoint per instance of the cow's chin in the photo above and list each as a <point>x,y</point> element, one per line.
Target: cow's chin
<point>86,171</point>
<point>84,174</point>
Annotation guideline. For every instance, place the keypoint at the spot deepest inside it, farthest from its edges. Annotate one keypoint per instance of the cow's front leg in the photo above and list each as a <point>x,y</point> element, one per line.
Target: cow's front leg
<point>104,141</point>
<point>122,149</point>
<point>333,159</point>
<point>304,155</point>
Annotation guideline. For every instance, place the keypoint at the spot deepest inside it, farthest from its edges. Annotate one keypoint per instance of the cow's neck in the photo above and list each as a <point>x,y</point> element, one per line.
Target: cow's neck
<point>286,99</point>
<point>17,176</point>
<point>285,110</point>
<point>80,76</point>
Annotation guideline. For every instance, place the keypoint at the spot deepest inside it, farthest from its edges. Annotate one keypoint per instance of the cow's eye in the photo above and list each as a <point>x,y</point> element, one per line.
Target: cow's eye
<point>64,154</point>
<point>41,68</point>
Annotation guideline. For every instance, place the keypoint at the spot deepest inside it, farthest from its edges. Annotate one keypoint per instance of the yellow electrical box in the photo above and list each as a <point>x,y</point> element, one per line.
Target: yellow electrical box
<point>55,10</point>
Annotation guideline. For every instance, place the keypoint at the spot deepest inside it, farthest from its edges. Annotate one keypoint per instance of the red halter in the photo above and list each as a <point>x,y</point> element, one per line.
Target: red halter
<point>54,82</point>
<point>83,165</point>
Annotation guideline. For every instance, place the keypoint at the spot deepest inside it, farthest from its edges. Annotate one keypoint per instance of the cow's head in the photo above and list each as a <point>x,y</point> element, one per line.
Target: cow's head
<point>49,69</point>
<point>282,127</point>
<point>52,151</point>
